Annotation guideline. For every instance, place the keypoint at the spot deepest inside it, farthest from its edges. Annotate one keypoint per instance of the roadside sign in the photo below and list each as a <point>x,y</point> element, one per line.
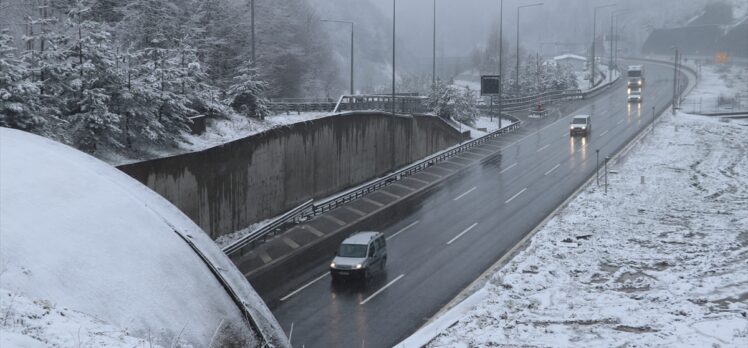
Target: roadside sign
<point>489,85</point>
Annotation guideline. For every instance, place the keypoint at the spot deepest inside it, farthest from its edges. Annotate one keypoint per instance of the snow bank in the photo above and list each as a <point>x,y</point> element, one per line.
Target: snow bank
<point>655,264</point>
<point>79,234</point>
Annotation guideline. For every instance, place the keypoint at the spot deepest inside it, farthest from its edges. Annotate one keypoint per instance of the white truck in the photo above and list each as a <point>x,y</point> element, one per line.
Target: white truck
<point>635,76</point>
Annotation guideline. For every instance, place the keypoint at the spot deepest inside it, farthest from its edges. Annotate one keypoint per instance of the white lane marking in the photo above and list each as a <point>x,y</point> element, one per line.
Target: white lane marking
<point>619,122</point>
<point>403,229</point>
<point>461,233</point>
<point>382,289</point>
<point>552,169</point>
<point>543,148</point>
<point>466,193</point>
<point>515,196</point>
<point>305,286</point>
<point>603,133</point>
<point>290,242</point>
<point>507,168</point>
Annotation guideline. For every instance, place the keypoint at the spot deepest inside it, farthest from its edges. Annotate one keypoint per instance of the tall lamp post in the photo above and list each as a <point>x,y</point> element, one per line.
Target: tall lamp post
<point>613,15</point>
<point>351,23</point>
<point>594,36</point>
<point>252,7</point>
<point>433,65</point>
<point>501,44</point>
<point>393,56</point>
<point>516,71</point>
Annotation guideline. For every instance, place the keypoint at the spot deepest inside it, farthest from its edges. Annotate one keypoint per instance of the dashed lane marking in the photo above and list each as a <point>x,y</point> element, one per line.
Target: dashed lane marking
<point>382,289</point>
<point>264,256</point>
<point>516,195</point>
<point>507,168</point>
<point>312,230</point>
<point>466,193</point>
<point>290,242</point>
<point>334,219</point>
<point>303,287</point>
<point>552,169</point>
<point>462,233</point>
<point>403,229</point>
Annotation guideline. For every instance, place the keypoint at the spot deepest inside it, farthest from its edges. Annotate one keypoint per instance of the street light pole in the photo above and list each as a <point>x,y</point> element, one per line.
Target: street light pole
<point>594,36</point>
<point>501,44</point>
<point>351,23</point>
<point>433,64</point>
<point>613,36</point>
<point>393,57</point>
<point>254,57</point>
<point>516,71</point>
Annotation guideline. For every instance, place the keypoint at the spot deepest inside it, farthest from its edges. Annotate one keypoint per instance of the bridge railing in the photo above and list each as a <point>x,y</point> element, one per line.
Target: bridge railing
<point>404,104</point>
<point>311,209</point>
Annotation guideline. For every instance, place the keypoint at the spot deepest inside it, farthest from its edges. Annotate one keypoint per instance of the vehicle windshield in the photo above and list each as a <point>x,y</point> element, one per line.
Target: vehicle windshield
<point>579,121</point>
<point>352,250</point>
<point>635,73</point>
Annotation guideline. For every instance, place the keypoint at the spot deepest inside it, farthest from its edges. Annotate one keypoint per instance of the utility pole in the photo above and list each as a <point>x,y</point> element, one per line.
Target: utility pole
<point>516,71</point>
<point>653,120</point>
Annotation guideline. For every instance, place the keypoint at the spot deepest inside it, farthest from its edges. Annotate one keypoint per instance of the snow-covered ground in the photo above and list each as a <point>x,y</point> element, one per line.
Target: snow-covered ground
<point>484,125</point>
<point>237,127</point>
<point>659,263</point>
<point>91,257</point>
<point>727,81</point>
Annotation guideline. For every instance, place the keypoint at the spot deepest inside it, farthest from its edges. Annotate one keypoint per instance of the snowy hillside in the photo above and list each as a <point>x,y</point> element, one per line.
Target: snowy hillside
<point>80,237</point>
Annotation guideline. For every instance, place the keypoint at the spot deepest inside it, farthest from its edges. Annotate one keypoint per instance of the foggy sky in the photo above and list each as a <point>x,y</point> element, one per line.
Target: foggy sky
<point>464,24</point>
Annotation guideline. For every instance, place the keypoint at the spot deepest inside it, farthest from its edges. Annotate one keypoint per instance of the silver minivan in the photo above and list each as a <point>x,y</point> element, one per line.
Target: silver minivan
<point>359,255</point>
<point>580,124</point>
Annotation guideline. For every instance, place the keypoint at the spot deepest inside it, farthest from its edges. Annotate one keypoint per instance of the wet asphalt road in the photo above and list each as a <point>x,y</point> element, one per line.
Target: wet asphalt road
<point>456,231</point>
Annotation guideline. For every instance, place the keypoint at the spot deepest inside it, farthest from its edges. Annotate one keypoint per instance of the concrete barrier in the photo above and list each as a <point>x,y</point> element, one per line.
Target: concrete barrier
<point>229,187</point>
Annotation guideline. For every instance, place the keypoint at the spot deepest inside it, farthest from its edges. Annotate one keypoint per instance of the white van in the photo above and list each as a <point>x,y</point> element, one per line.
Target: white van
<point>359,255</point>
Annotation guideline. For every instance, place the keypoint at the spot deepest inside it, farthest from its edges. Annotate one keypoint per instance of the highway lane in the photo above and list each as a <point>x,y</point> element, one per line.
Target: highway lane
<point>452,234</point>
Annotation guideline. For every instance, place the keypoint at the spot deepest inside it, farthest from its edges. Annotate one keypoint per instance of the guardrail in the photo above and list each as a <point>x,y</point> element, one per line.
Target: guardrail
<point>311,209</point>
<point>270,229</point>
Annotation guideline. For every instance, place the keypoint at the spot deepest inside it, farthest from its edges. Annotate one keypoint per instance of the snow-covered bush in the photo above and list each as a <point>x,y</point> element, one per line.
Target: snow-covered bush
<point>449,101</point>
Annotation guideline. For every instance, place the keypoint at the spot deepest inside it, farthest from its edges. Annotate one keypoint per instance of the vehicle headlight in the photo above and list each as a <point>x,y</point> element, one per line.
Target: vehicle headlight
<point>640,82</point>
<point>584,127</point>
<point>359,266</point>
<point>571,127</point>
<point>332,265</point>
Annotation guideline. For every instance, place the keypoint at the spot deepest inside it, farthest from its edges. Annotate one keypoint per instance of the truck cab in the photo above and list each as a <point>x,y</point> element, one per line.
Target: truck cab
<point>635,76</point>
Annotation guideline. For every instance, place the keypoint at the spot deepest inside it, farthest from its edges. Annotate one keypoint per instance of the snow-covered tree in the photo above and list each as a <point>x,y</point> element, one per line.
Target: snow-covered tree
<point>448,101</point>
<point>247,94</point>
<point>18,95</point>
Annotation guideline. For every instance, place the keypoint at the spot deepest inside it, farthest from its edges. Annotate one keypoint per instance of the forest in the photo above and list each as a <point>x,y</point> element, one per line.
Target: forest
<point>123,76</point>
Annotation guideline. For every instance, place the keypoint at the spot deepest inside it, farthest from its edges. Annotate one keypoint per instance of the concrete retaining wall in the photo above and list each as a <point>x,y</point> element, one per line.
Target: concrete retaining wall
<point>229,187</point>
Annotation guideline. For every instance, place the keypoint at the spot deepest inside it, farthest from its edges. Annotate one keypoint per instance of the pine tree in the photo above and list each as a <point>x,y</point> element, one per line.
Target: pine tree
<point>247,94</point>
<point>18,95</point>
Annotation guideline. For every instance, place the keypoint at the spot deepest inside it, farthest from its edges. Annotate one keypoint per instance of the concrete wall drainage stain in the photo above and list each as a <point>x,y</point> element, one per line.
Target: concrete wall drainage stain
<point>229,187</point>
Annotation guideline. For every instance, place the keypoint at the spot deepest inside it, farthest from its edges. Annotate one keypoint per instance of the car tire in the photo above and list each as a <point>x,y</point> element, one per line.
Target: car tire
<point>384,262</point>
